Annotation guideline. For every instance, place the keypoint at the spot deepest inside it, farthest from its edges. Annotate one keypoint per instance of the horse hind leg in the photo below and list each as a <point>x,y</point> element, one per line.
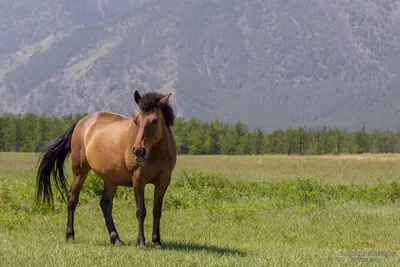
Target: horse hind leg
<point>79,176</point>
<point>106,204</point>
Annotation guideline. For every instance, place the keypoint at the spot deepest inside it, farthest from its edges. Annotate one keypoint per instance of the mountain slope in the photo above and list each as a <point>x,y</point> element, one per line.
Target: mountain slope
<point>272,64</point>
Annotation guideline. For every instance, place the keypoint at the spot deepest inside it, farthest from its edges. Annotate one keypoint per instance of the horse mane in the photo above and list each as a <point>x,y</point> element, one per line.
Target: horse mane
<point>150,101</point>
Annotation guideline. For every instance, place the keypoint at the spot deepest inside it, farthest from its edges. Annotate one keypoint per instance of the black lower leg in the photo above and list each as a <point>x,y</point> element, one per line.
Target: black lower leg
<point>138,186</point>
<point>106,206</point>
<point>72,203</point>
<point>141,215</point>
<point>156,224</point>
<point>159,191</point>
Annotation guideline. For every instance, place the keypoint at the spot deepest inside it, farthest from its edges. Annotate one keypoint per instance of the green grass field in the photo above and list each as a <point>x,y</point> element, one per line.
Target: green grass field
<point>219,211</point>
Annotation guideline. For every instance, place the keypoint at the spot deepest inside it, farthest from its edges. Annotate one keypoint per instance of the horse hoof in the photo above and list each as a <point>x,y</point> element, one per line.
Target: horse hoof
<point>142,246</point>
<point>70,239</point>
<point>114,239</point>
<point>118,242</point>
<point>158,246</point>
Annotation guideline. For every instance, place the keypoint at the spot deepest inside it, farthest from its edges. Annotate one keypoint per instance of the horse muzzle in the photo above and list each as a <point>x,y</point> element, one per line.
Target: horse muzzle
<point>140,154</point>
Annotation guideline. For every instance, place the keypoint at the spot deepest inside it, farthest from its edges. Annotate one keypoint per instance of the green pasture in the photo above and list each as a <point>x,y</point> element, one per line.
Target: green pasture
<point>218,211</point>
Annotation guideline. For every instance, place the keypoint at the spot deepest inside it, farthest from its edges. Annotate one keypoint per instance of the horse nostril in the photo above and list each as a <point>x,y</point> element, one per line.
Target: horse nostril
<point>142,151</point>
<point>139,153</point>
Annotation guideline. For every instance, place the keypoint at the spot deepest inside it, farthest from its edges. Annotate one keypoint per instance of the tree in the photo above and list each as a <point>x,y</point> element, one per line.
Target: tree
<point>241,138</point>
<point>2,126</point>
<point>291,141</point>
<point>302,140</point>
<point>317,141</point>
<point>338,139</point>
<point>28,132</point>
<point>276,142</point>
<point>8,132</point>
<point>227,140</point>
<point>258,141</point>
<point>195,137</point>
<point>361,139</point>
<point>211,144</point>
<point>180,136</point>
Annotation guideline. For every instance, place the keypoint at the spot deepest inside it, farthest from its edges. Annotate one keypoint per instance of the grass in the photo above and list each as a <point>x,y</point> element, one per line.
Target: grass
<point>217,216</point>
<point>200,238</point>
<point>342,169</point>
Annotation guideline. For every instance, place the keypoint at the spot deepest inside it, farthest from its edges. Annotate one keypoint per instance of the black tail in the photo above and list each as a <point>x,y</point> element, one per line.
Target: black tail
<point>52,162</point>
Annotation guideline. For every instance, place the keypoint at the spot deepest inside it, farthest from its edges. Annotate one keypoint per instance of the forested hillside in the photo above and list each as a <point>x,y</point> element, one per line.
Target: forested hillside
<point>273,64</point>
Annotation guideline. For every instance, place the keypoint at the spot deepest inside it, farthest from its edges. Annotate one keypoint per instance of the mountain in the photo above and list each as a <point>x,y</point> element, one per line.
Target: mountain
<point>273,64</point>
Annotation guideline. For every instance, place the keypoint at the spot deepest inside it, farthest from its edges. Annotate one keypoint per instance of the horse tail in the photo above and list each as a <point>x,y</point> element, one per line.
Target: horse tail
<point>51,162</point>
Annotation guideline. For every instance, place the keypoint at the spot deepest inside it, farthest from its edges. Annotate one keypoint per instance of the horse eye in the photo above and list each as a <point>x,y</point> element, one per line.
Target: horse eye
<point>135,121</point>
<point>154,121</point>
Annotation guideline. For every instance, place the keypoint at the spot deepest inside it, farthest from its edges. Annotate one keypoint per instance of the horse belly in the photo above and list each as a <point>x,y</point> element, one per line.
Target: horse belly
<point>121,178</point>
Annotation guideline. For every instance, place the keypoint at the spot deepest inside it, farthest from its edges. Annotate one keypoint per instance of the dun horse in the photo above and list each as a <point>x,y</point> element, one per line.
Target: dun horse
<point>122,151</point>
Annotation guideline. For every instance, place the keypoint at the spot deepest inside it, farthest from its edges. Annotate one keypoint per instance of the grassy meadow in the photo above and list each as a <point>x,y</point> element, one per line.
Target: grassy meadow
<point>219,211</point>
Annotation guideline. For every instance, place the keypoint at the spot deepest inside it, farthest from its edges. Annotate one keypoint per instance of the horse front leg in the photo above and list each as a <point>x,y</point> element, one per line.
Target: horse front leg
<point>138,185</point>
<point>106,204</point>
<point>160,188</point>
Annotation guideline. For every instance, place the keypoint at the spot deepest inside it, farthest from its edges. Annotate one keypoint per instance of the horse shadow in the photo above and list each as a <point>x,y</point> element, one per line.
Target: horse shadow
<point>183,246</point>
<point>188,247</point>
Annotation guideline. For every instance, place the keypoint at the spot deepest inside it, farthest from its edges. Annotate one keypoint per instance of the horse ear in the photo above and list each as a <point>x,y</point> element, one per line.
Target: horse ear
<point>164,100</point>
<point>137,97</point>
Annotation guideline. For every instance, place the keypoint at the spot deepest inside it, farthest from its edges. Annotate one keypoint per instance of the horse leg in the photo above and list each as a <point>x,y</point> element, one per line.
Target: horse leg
<point>138,186</point>
<point>159,192</point>
<point>73,199</point>
<point>106,204</point>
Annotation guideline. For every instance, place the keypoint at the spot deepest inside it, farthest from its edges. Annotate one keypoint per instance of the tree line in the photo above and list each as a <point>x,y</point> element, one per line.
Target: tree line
<point>196,137</point>
<point>31,133</point>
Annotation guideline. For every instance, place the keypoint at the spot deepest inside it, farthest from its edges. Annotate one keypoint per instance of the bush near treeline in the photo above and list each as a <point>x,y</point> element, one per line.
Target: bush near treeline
<point>31,133</point>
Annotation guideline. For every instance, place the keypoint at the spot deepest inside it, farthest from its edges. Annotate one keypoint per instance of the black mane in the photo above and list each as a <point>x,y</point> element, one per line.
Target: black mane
<point>150,101</point>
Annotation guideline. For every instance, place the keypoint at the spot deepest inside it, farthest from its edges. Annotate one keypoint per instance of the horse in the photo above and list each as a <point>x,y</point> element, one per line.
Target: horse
<point>122,151</point>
